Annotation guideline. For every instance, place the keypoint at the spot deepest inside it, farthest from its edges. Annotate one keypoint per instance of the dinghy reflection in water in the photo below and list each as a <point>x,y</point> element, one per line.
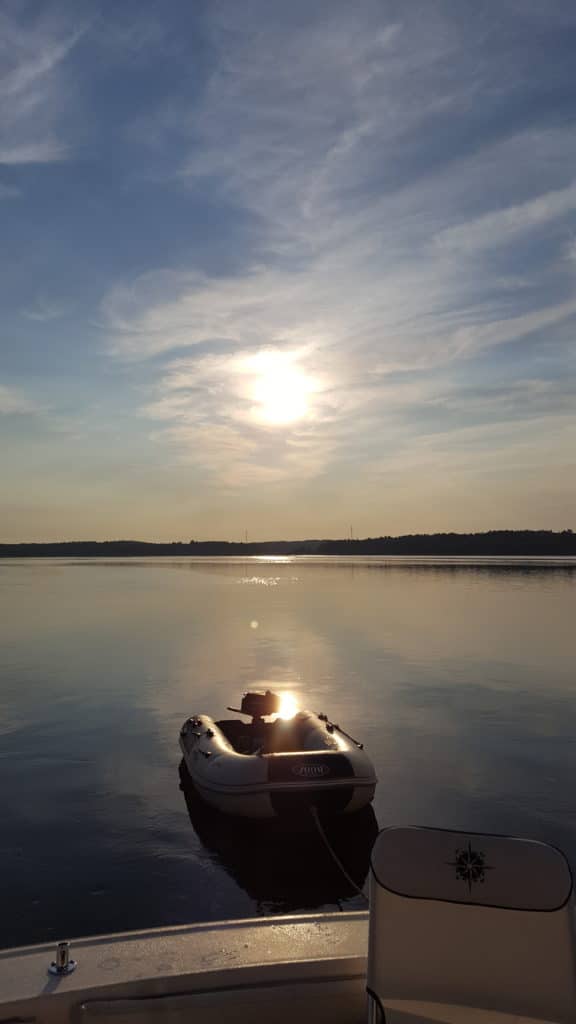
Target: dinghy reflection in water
<point>283,864</point>
<point>262,769</point>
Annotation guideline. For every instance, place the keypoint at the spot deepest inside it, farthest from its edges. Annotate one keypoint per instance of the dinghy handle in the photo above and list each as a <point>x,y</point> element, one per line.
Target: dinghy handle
<point>332,725</point>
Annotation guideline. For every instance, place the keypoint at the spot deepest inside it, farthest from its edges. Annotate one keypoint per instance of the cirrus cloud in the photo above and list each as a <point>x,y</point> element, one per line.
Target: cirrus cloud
<point>32,88</point>
<point>396,220</point>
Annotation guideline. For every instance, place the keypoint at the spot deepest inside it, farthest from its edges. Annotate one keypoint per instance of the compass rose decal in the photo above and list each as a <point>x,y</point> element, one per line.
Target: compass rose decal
<point>470,865</point>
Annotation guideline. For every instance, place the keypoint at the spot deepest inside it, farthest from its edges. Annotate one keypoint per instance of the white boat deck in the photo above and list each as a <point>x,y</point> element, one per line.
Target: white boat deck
<point>312,966</point>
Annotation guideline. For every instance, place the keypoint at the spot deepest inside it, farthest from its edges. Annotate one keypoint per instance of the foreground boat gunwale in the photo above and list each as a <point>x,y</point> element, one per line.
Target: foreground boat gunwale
<point>189,958</point>
<point>222,924</point>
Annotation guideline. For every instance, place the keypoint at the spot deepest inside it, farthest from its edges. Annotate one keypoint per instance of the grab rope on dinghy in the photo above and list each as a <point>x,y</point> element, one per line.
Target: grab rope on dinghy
<point>333,854</point>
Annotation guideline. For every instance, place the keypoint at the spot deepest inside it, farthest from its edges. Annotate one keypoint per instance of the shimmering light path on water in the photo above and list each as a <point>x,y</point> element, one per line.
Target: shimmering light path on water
<point>457,675</point>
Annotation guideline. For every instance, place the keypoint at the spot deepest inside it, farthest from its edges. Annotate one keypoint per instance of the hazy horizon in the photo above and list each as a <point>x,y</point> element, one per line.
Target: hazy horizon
<point>286,267</point>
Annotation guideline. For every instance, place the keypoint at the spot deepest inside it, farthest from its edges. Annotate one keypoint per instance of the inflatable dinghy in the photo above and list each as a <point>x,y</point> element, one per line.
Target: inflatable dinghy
<point>265,769</point>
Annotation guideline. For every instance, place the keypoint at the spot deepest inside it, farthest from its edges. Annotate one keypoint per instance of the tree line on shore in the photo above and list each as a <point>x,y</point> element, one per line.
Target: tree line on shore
<point>492,542</point>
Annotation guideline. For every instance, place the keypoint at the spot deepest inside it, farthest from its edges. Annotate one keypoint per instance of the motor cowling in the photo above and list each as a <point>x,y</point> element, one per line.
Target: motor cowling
<point>259,704</point>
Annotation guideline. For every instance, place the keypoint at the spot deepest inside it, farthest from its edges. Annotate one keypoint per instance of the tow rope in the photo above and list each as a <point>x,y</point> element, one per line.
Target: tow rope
<point>333,854</point>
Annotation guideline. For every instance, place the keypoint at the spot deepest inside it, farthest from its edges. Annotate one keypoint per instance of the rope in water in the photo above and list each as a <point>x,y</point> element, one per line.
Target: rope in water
<point>334,856</point>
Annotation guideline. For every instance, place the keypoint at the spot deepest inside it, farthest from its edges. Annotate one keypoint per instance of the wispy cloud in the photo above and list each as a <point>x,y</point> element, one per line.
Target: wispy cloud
<point>211,409</point>
<point>482,451</point>
<point>381,161</point>
<point>32,89</point>
<point>13,403</point>
<point>46,151</point>
<point>44,310</point>
<point>502,226</point>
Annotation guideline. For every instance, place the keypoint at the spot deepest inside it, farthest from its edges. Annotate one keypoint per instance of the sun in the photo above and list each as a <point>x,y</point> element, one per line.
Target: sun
<point>288,706</point>
<point>281,390</point>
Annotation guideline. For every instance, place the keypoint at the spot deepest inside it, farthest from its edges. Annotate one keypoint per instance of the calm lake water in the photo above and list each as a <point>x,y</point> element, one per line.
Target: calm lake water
<point>457,675</point>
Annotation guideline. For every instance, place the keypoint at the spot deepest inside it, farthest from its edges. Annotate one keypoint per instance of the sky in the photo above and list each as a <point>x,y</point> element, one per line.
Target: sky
<point>286,268</point>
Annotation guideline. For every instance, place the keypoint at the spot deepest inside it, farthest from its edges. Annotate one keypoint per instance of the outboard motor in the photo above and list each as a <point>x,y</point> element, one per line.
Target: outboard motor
<point>258,704</point>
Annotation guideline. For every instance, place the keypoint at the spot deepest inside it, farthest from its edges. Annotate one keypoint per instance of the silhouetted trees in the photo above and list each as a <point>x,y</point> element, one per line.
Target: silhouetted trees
<point>494,542</point>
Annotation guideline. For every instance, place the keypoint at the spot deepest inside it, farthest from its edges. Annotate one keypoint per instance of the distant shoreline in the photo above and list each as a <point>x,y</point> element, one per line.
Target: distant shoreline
<point>492,543</point>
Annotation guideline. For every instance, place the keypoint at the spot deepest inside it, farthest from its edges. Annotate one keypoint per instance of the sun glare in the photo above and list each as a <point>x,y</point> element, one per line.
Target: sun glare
<point>281,390</point>
<point>288,706</point>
